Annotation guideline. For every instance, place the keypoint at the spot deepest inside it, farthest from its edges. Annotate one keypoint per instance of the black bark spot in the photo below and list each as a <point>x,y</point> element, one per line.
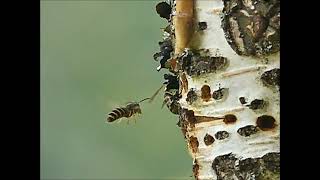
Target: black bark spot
<point>224,166</point>
<point>191,96</point>
<point>271,78</point>
<point>196,63</point>
<point>202,26</point>
<point>257,104</point>
<point>272,161</point>
<point>220,93</point>
<point>242,100</point>
<point>247,130</point>
<point>220,135</point>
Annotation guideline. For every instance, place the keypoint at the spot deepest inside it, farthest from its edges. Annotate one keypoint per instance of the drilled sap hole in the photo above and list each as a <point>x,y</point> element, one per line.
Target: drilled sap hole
<point>257,104</point>
<point>247,130</point>
<point>242,100</point>
<point>271,78</point>
<point>221,135</point>
<point>229,118</point>
<point>202,26</point>
<point>194,144</point>
<point>220,93</point>
<point>266,122</point>
<point>191,96</point>
<point>205,92</point>
<point>208,139</point>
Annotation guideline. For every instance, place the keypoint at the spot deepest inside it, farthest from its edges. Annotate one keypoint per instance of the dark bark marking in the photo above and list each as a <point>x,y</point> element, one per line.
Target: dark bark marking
<point>208,139</point>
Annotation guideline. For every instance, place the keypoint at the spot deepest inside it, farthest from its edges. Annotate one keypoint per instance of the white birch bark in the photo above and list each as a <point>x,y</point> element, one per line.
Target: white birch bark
<point>248,148</point>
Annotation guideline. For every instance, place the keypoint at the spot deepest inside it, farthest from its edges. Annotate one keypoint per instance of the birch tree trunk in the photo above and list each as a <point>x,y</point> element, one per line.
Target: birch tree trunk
<point>224,55</point>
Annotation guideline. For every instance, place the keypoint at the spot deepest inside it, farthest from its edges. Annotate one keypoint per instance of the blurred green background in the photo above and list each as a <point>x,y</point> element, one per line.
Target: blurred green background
<point>96,55</point>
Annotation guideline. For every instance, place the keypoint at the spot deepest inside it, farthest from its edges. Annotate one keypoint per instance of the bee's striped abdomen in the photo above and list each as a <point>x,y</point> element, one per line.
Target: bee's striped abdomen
<point>117,114</point>
<point>127,111</point>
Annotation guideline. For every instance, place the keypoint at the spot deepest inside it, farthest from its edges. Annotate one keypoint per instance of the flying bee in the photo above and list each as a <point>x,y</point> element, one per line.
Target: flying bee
<point>127,111</point>
<point>130,109</point>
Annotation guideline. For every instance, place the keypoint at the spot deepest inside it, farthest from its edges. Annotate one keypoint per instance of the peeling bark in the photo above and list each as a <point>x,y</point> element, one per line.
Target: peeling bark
<point>223,56</point>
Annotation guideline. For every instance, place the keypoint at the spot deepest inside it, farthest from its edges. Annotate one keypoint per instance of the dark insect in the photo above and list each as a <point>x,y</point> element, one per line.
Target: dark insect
<point>164,10</point>
<point>165,53</point>
<point>171,81</point>
<point>171,101</point>
<point>171,95</point>
<point>127,111</point>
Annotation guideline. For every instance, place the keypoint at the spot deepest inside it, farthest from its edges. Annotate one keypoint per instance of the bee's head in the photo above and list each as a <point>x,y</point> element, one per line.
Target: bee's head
<point>136,108</point>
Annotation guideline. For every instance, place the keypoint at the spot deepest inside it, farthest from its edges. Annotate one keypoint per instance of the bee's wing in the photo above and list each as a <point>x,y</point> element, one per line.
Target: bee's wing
<point>156,93</point>
<point>111,104</point>
<point>164,103</point>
